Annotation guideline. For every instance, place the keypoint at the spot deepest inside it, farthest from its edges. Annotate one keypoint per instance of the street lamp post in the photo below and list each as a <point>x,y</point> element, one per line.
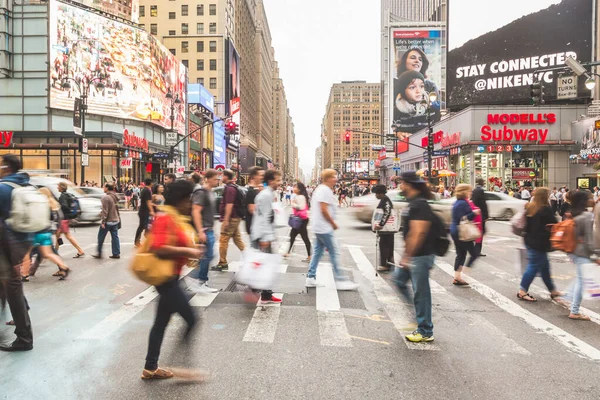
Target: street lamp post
<point>430,99</point>
<point>174,100</point>
<point>83,96</point>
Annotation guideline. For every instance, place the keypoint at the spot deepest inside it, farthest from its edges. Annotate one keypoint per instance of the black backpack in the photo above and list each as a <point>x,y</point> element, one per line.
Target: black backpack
<point>441,241</point>
<point>240,201</point>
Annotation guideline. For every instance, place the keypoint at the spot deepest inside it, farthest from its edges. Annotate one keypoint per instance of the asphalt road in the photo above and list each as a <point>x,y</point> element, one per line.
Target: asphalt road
<point>91,333</point>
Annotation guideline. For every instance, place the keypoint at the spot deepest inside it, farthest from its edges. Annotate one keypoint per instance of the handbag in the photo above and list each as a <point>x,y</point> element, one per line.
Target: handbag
<point>149,268</point>
<point>295,222</point>
<point>518,223</point>
<point>468,231</point>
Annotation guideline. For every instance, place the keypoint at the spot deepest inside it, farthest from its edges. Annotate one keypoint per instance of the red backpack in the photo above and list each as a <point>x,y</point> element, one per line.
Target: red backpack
<point>564,236</point>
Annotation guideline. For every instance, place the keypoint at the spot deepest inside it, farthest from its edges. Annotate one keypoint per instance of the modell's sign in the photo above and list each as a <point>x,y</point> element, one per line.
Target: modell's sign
<point>517,127</point>
<point>5,138</point>
<point>129,139</point>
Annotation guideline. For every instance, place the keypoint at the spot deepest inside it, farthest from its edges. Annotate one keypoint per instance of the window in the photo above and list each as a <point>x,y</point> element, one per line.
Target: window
<point>491,196</point>
<point>213,65</point>
<point>200,28</point>
<point>200,81</point>
<point>184,47</point>
<point>185,63</point>
<point>154,29</point>
<point>200,10</point>
<point>200,46</point>
<point>173,51</point>
<point>212,28</point>
<point>142,11</point>
<point>143,26</point>
<point>200,65</point>
<point>184,10</point>
<point>213,46</point>
<point>212,9</point>
<point>154,11</point>
<point>213,83</point>
<point>171,15</point>
<point>184,29</point>
<point>172,33</point>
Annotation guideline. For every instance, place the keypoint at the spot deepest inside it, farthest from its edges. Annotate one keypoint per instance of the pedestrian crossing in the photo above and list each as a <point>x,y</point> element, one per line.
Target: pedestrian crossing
<point>496,324</point>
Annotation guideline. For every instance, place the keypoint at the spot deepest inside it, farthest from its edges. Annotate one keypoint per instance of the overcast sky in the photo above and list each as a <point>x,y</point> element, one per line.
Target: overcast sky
<point>318,43</point>
<point>464,27</point>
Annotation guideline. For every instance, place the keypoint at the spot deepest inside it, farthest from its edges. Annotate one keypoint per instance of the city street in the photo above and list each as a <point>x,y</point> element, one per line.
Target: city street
<point>91,332</point>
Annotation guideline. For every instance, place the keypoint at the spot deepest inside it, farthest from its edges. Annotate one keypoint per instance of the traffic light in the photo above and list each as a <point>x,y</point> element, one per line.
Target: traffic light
<point>430,141</point>
<point>347,137</point>
<point>537,93</point>
<point>231,128</point>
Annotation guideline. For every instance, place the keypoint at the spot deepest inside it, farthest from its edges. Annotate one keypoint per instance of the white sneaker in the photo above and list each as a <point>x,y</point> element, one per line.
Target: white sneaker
<point>311,282</point>
<point>200,288</point>
<point>204,288</point>
<point>346,285</point>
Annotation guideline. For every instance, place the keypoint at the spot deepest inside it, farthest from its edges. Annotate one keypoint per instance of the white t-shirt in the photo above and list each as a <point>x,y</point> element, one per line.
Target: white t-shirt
<point>525,195</point>
<point>322,194</point>
<point>289,190</point>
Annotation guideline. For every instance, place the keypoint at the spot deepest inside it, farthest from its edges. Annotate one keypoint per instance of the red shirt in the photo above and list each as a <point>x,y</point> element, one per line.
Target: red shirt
<point>165,232</point>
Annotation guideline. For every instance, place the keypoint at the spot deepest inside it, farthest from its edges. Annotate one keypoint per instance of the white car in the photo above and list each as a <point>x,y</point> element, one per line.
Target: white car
<point>500,206</point>
<point>365,205</point>
<point>90,207</point>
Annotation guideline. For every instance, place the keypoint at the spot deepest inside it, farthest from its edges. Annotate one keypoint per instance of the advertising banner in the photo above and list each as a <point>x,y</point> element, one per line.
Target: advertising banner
<point>197,94</point>
<point>126,163</point>
<point>416,71</point>
<point>234,108</point>
<point>496,49</point>
<point>233,76</point>
<point>77,106</point>
<point>126,9</point>
<point>220,152</point>
<point>136,69</point>
<point>357,166</point>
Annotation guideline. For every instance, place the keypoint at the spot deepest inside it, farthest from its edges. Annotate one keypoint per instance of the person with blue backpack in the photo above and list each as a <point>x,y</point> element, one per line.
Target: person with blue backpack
<point>71,209</point>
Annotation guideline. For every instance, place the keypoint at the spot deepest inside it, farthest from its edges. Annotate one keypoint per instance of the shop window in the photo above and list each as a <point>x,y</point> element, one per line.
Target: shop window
<point>35,162</point>
<point>154,11</point>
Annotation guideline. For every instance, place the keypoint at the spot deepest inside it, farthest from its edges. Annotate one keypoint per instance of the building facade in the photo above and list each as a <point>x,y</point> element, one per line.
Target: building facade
<point>353,106</point>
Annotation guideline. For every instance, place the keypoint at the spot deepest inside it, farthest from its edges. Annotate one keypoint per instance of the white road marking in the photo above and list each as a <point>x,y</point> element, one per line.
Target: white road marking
<point>572,343</point>
<point>332,325</point>
<point>494,334</point>
<point>264,322</point>
<point>203,300</point>
<point>401,314</point>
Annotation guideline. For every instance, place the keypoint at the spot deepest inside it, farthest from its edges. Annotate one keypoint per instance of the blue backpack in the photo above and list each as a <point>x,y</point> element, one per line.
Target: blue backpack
<point>74,207</point>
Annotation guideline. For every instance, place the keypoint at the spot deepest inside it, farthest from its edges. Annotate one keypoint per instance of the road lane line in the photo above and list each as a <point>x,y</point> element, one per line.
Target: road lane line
<point>537,291</point>
<point>332,325</point>
<point>495,335</point>
<point>401,314</point>
<point>572,343</point>
<point>263,325</point>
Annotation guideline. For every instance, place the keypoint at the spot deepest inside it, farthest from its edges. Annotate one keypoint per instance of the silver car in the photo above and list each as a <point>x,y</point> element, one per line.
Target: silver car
<point>90,207</point>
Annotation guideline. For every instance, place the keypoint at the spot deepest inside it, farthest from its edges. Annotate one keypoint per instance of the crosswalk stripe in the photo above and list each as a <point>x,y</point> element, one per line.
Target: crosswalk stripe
<point>496,336</point>
<point>566,339</point>
<point>203,300</point>
<point>263,324</point>
<point>332,325</point>
<point>536,291</point>
<point>400,314</point>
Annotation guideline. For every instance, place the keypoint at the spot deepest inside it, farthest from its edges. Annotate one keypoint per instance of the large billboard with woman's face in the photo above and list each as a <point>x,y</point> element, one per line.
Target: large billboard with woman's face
<point>137,71</point>
<point>416,67</point>
<point>497,49</point>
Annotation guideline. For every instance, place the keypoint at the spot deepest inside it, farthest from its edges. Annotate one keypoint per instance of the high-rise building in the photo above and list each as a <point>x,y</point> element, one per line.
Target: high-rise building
<point>353,105</point>
<point>316,172</point>
<point>280,117</point>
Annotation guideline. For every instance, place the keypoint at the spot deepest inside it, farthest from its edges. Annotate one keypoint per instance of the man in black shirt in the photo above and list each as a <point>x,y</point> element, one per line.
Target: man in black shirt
<point>146,210</point>
<point>419,252</point>
<point>386,239</point>
<point>255,185</point>
<point>478,198</point>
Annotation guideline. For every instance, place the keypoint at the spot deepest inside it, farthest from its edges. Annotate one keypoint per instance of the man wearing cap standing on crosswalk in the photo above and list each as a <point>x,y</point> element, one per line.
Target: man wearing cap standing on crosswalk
<point>324,226</point>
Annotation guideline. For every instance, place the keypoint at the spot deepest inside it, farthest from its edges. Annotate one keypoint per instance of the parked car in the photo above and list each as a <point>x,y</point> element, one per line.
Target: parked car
<point>90,207</point>
<point>98,193</point>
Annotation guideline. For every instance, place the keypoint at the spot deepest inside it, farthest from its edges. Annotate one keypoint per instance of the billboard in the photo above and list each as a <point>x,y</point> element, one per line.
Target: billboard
<point>136,69</point>
<point>496,49</point>
<point>220,152</point>
<point>126,9</point>
<point>357,166</point>
<point>233,76</point>
<point>416,70</point>
<point>197,94</point>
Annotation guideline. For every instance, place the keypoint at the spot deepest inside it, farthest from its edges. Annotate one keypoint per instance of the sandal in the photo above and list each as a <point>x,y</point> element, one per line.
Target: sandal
<point>11,323</point>
<point>57,273</point>
<point>579,317</point>
<point>79,255</point>
<point>64,273</point>
<point>25,278</point>
<point>526,297</point>
<point>556,295</point>
<point>457,282</point>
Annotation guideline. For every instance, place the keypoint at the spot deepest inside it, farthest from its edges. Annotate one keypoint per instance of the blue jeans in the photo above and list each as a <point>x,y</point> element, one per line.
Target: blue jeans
<point>537,262</point>
<point>325,241</point>
<point>575,294</point>
<point>114,234</point>
<point>419,271</point>
<point>209,253</point>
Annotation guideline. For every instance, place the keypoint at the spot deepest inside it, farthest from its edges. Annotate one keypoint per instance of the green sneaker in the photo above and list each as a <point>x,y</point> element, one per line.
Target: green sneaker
<point>416,337</point>
<point>220,267</point>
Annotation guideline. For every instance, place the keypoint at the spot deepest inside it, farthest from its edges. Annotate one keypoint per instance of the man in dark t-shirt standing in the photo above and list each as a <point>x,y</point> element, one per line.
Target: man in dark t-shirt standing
<point>146,210</point>
<point>419,252</point>
<point>255,185</point>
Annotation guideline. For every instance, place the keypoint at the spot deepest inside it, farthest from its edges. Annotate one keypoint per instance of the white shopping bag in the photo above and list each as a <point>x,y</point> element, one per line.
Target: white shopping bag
<point>281,217</point>
<point>258,269</point>
<point>392,224</point>
<point>522,266</point>
<point>591,281</point>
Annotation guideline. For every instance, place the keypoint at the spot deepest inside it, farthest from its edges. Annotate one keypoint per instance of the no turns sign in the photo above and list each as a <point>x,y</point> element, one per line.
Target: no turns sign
<point>566,87</point>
